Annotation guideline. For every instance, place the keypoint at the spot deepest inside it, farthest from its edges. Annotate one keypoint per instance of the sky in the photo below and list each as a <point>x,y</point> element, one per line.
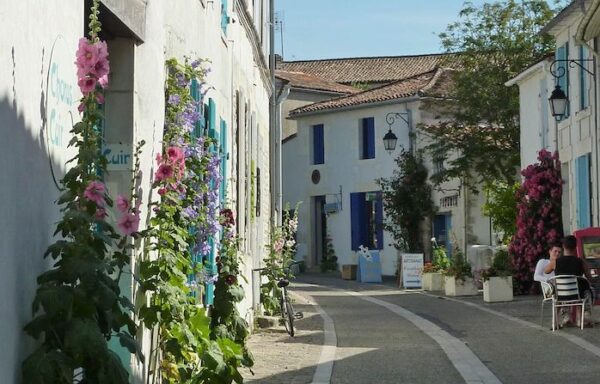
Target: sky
<point>323,29</point>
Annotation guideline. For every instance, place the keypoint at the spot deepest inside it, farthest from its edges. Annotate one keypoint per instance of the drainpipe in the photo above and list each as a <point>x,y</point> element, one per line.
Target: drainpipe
<point>272,103</point>
<point>278,136</point>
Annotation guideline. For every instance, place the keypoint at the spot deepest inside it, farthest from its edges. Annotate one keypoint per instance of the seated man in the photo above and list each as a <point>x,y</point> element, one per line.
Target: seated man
<point>540,273</point>
<point>570,264</point>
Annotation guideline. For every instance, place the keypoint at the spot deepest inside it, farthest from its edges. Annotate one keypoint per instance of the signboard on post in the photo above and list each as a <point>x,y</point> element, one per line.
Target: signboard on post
<point>412,265</point>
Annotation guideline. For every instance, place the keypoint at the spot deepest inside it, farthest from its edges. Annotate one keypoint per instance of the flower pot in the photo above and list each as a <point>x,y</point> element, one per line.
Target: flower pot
<point>349,271</point>
<point>433,281</point>
<point>460,287</point>
<point>498,288</point>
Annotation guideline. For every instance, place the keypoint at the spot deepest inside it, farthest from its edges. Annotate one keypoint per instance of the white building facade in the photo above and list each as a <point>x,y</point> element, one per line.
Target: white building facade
<point>574,135</point>
<point>38,106</point>
<point>332,163</point>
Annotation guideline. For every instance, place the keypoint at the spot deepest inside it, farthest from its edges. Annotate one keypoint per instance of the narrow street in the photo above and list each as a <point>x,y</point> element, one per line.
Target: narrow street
<point>386,335</point>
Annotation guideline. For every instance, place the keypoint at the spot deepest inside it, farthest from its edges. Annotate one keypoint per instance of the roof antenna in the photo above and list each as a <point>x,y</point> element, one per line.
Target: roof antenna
<point>279,17</point>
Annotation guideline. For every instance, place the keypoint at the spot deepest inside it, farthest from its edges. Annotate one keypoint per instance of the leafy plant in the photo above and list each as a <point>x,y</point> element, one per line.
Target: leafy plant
<point>459,267</point>
<point>329,260</point>
<point>539,220</point>
<point>439,260</point>
<point>407,201</point>
<point>282,248</point>
<point>501,207</point>
<point>78,305</point>
<point>501,265</point>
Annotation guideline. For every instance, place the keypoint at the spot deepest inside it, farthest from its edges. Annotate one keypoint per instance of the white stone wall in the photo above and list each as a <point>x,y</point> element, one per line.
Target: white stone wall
<point>38,90</point>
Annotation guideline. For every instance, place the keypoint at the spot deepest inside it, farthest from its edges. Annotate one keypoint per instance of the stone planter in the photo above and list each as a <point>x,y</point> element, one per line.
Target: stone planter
<point>433,281</point>
<point>459,287</point>
<point>498,289</point>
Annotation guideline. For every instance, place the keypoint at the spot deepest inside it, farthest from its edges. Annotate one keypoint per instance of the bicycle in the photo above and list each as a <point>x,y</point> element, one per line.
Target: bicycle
<point>285,305</point>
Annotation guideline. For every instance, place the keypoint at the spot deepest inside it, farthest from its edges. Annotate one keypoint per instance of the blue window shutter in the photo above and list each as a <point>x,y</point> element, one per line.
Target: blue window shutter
<point>582,165</point>
<point>212,118</point>
<point>318,144</point>
<point>562,53</point>
<point>356,207</point>
<point>583,91</point>
<point>224,17</point>
<point>223,151</point>
<point>379,219</point>
<point>369,137</point>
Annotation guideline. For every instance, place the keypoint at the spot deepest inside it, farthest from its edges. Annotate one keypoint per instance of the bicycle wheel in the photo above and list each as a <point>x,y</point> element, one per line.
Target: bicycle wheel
<point>287,312</point>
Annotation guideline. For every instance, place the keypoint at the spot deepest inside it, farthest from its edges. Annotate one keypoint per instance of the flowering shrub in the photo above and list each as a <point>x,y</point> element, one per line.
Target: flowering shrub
<point>78,305</point>
<point>439,260</point>
<point>429,267</point>
<point>282,248</point>
<point>539,221</point>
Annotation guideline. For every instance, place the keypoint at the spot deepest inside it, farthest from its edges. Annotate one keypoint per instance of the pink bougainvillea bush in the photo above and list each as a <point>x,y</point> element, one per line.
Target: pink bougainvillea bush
<point>539,221</point>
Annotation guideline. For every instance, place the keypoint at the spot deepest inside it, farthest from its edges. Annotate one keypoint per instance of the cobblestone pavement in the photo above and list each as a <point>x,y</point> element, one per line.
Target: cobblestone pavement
<point>280,358</point>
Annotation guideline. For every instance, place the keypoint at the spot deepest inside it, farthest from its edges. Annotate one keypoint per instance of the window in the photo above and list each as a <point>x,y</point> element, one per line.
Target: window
<point>562,53</point>
<point>318,144</point>
<point>584,101</point>
<point>367,138</point>
<point>583,191</point>
<point>366,211</point>
<point>438,165</point>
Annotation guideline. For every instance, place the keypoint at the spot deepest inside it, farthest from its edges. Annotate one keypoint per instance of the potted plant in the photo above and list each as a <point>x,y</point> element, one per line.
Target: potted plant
<point>432,277</point>
<point>497,280</point>
<point>458,277</point>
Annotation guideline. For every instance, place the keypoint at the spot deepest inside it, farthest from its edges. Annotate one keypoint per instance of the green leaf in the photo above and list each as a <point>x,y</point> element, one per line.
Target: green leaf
<point>112,370</point>
<point>83,339</point>
<point>48,367</point>
<point>131,344</point>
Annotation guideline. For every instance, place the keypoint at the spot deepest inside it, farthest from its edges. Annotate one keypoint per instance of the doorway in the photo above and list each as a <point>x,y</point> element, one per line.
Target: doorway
<point>442,225</point>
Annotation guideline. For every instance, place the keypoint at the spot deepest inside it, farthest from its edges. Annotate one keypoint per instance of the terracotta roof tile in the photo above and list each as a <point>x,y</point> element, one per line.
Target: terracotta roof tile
<point>304,80</point>
<point>367,69</point>
<point>434,83</point>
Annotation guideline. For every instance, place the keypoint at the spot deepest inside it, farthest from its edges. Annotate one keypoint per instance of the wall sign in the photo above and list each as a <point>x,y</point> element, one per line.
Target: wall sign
<point>119,156</point>
<point>60,109</point>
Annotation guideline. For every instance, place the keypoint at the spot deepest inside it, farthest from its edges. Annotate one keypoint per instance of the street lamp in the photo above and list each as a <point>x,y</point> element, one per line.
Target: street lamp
<point>390,139</point>
<point>559,100</point>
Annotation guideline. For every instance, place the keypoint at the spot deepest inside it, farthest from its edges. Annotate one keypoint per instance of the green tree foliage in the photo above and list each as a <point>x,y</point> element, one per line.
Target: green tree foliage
<point>407,201</point>
<point>501,207</point>
<point>490,45</point>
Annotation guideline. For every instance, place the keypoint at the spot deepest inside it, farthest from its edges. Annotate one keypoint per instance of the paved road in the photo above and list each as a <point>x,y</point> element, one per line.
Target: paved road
<point>385,335</point>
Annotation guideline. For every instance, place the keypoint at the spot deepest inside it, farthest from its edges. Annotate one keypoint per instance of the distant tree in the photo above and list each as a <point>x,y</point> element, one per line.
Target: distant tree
<point>490,44</point>
<point>407,201</point>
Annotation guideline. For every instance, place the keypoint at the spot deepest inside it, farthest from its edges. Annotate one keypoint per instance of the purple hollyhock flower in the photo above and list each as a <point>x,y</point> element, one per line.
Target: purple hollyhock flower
<point>174,99</point>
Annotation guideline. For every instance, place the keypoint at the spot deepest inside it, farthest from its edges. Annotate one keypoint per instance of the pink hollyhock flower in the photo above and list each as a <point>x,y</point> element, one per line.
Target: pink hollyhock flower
<point>99,98</point>
<point>164,171</point>
<point>87,85</point>
<point>175,154</point>
<point>101,68</point>
<point>162,191</point>
<point>87,54</point>
<point>122,203</point>
<point>101,214</point>
<point>103,81</point>
<point>81,107</point>
<point>129,223</point>
<point>158,159</point>
<point>95,192</point>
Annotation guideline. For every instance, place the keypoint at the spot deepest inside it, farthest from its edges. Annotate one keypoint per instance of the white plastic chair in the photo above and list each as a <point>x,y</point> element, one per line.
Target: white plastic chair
<point>566,294</point>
